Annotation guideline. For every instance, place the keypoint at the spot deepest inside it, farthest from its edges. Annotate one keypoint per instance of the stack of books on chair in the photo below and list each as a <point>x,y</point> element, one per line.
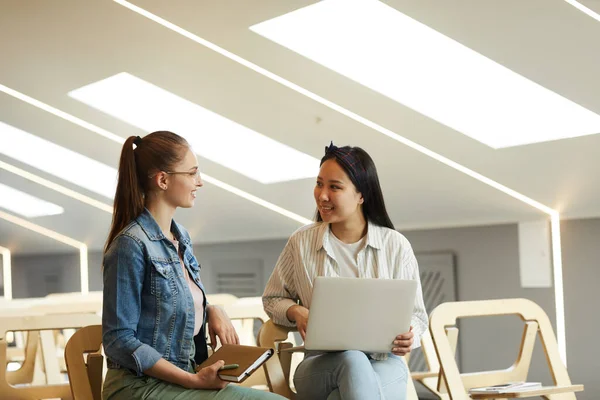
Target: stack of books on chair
<point>507,387</point>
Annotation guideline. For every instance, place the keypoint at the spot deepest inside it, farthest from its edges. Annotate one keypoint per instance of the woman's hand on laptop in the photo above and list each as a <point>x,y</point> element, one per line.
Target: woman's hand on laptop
<point>299,314</point>
<point>403,343</point>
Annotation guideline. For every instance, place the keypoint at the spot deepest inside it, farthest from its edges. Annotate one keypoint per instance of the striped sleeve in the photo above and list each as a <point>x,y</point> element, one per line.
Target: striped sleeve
<point>409,269</point>
<point>280,293</point>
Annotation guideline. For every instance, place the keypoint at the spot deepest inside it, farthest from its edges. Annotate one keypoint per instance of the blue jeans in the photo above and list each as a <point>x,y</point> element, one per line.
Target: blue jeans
<point>350,375</point>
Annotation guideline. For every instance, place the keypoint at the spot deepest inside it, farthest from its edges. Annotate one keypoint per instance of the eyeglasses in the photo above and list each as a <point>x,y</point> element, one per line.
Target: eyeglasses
<point>192,174</point>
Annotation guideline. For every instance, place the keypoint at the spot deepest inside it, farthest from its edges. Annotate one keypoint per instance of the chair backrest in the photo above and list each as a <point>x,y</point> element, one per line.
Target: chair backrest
<point>277,369</point>
<point>85,374</point>
<point>442,324</point>
<point>53,387</point>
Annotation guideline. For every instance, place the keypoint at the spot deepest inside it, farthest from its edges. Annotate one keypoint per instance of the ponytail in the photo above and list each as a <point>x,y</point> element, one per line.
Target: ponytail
<point>129,197</point>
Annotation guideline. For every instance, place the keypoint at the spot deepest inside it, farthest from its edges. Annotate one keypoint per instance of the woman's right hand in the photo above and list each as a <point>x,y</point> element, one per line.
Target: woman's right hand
<point>208,378</point>
<point>299,314</point>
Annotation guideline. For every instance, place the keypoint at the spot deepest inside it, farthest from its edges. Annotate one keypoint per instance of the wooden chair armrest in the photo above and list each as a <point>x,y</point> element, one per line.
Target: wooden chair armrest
<point>422,375</point>
<point>297,349</point>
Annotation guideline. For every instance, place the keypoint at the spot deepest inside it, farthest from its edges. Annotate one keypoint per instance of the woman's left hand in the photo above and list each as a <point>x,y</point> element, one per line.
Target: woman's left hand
<point>220,325</point>
<point>403,343</point>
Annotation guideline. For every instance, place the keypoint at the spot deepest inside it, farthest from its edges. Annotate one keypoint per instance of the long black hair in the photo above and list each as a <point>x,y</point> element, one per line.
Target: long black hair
<point>361,170</point>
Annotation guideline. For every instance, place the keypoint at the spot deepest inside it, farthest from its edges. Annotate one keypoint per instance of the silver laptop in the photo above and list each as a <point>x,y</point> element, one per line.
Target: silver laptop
<point>358,313</point>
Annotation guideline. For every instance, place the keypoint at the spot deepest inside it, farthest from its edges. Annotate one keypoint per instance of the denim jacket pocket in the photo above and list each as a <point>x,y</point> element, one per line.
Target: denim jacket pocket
<point>163,277</point>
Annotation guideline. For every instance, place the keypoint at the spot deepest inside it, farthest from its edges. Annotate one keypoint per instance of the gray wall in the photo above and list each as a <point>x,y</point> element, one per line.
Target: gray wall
<point>31,275</point>
<point>486,266</point>
<point>581,260</point>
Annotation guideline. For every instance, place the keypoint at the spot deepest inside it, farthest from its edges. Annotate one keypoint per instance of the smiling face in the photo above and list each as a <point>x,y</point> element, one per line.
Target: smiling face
<point>183,181</point>
<point>337,199</point>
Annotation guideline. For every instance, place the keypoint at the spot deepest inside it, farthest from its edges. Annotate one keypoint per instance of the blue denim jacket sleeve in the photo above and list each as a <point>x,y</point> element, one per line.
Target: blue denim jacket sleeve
<point>124,269</point>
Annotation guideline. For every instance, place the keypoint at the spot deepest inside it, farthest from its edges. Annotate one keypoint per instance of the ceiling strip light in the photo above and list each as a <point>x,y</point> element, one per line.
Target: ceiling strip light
<point>60,114</point>
<point>556,254</point>
<point>256,200</point>
<point>25,204</point>
<point>57,160</point>
<point>56,187</point>
<point>584,9</point>
<point>83,251</point>
<point>6,273</point>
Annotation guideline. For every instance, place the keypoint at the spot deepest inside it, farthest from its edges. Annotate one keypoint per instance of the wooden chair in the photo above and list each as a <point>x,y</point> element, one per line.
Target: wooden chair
<point>86,378</point>
<point>277,368</point>
<point>442,324</point>
<point>53,304</point>
<point>53,386</point>
<point>85,373</point>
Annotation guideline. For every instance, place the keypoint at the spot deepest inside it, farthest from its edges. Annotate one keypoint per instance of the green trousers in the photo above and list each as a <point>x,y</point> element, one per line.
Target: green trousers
<point>122,384</point>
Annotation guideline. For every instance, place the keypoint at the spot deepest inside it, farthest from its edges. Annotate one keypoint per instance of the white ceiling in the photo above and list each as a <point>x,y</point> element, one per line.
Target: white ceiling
<point>50,48</point>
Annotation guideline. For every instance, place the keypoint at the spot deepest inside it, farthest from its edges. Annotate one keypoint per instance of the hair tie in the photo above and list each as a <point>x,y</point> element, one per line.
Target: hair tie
<point>332,147</point>
<point>137,141</point>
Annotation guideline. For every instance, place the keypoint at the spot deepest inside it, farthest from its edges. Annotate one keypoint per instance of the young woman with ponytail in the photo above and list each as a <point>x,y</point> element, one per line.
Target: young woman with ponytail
<point>154,301</point>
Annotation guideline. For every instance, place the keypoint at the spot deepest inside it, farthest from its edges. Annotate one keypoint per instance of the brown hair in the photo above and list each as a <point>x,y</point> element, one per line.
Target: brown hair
<point>158,151</point>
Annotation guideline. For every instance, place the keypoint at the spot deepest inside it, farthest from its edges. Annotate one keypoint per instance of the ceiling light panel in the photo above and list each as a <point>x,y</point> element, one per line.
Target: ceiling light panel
<point>405,60</point>
<point>151,108</point>
<point>58,161</point>
<point>25,204</point>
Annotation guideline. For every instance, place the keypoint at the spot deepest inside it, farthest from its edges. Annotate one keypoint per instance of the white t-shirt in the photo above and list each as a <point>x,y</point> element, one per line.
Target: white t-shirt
<point>346,255</point>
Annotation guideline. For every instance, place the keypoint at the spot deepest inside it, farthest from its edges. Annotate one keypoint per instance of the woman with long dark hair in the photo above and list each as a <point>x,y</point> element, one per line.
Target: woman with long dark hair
<point>154,301</point>
<point>353,237</point>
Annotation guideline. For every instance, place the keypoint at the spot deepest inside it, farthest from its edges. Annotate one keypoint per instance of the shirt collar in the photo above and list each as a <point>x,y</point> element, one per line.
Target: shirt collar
<point>374,238</point>
<point>153,231</point>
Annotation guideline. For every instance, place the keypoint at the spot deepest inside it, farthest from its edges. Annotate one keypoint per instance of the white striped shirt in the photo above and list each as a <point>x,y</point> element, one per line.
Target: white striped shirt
<point>308,254</point>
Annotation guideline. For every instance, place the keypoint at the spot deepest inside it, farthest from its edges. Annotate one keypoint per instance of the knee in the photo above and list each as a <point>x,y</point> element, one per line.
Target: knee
<point>354,360</point>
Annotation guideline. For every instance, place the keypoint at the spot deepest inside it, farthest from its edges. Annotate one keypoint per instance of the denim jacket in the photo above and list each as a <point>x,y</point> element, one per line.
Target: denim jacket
<point>148,310</point>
